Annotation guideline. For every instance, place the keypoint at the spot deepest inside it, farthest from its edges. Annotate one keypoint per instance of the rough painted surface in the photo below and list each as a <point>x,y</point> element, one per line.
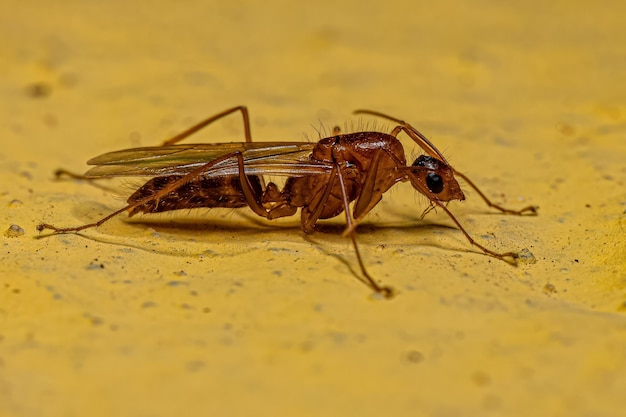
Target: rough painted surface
<point>227,315</point>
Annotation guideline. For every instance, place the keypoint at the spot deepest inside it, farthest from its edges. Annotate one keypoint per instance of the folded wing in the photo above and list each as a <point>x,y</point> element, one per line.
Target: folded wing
<point>260,158</point>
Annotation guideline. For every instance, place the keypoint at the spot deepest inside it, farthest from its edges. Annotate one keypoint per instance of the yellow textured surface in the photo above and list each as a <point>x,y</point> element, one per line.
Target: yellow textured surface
<point>226,315</point>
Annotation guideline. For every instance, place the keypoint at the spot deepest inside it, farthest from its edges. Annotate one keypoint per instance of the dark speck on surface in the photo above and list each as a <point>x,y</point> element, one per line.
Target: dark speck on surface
<point>38,90</point>
<point>415,356</point>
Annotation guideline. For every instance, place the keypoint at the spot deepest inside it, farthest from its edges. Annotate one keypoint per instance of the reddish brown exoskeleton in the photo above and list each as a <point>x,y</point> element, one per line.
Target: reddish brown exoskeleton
<point>323,178</point>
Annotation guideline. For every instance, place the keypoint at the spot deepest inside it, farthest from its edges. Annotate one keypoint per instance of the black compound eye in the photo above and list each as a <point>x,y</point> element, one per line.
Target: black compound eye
<point>434,183</point>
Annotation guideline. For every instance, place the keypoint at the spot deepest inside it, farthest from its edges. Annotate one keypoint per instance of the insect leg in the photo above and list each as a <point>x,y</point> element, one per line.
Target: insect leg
<point>308,220</point>
<point>387,292</point>
<point>65,173</point>
<point>173,186</point>
<point>253,200</point>
<point>61,173</point>
<point>193,129</point>
<point>502,256</point>
<point>374,185</point>
<point>369,195</point>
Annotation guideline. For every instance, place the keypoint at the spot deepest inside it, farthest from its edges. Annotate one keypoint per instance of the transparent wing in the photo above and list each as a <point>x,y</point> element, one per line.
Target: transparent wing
<point>271,158</point>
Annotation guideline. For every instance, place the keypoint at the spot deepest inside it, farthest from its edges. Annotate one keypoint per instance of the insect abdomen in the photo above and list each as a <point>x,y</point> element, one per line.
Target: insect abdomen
<point>199,192</point>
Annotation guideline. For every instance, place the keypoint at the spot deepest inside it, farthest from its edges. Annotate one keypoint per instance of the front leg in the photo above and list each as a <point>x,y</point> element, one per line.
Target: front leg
<point>377,181</point>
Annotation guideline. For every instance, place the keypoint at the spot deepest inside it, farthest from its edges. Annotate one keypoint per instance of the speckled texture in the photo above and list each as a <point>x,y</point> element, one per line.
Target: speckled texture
<point>228,315</point>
